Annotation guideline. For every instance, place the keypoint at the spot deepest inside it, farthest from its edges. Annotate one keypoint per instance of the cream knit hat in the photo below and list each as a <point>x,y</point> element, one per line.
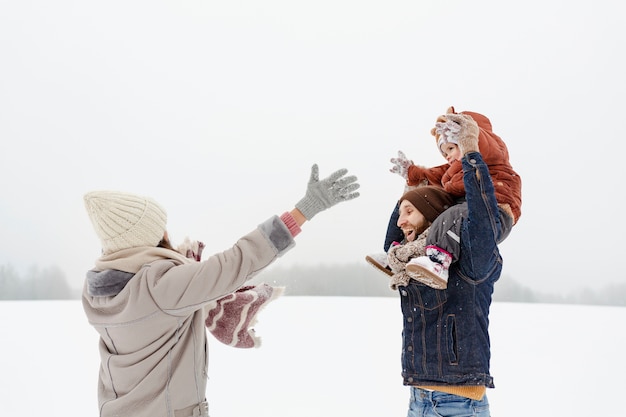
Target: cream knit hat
<point>124,220</point>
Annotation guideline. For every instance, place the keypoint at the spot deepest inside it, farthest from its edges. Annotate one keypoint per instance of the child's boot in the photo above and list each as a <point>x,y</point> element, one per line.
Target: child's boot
<point>432,269</point>
<point>379,261</point>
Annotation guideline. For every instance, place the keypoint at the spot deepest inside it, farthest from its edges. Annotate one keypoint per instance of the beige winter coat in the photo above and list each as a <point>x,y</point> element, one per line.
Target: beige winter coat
<point>147,304</point>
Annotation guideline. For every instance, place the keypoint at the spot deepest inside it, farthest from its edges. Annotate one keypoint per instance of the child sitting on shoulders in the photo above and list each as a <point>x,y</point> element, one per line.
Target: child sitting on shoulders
<point>444,238</point>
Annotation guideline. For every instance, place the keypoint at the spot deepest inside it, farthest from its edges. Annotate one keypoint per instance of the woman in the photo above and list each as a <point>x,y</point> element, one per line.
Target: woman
<point>149,302</point>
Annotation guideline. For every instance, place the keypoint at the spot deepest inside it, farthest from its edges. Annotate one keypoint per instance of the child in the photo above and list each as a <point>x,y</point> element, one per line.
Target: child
<point>444,240</point>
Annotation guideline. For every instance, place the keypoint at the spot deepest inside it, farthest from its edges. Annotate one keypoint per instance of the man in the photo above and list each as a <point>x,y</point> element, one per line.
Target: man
<point>445,347</point>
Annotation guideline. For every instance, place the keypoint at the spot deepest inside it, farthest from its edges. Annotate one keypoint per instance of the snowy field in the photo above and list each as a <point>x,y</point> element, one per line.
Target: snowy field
<point>332,357</point>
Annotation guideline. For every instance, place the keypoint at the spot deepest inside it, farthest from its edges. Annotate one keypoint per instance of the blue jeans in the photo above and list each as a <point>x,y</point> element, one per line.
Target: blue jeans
<point>439,404</point>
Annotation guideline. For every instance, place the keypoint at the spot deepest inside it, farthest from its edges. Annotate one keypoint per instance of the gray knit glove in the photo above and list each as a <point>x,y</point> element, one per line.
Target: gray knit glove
<point>324,194</point>
<point>468,132</point>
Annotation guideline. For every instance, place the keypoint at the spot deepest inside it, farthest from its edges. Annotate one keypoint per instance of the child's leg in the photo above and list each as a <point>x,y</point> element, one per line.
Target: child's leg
<point>442,246</point>
<point>445,232</point>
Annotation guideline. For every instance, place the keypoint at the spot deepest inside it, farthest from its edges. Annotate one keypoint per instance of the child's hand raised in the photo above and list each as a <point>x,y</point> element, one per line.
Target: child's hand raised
<point>401,165</point>
<point>467,134</point>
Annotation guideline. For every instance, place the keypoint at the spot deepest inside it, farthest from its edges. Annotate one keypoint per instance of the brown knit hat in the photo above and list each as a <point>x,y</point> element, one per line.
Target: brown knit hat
<point>429,200</point>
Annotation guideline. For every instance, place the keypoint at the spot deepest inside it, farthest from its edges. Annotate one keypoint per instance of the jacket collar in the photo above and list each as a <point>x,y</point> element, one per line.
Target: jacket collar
<point>107,283</point>
<point>113,271</point>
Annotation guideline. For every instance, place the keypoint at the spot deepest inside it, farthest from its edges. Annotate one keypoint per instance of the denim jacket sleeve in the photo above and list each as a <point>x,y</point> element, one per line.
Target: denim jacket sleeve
<point>479,253</point>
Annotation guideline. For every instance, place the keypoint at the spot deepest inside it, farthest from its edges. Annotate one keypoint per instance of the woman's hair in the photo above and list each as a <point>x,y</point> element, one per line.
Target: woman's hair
<point>165,243</point>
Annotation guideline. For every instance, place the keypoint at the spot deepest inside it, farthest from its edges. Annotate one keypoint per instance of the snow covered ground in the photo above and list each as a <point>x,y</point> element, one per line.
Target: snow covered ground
<point>332,357</point>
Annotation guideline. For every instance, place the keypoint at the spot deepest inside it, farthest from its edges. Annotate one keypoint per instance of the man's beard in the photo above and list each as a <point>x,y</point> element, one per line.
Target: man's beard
<point>411,233</point>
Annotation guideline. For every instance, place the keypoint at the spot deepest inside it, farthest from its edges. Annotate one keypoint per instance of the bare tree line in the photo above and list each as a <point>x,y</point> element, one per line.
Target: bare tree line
<point>363,280</point>
<point>359,280</point>
<point>36,284</point>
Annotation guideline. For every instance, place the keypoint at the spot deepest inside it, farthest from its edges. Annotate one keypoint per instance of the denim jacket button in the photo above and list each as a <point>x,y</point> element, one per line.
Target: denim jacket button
<point>404,293</point>
<point>409,319</point>
<point>409,348</point>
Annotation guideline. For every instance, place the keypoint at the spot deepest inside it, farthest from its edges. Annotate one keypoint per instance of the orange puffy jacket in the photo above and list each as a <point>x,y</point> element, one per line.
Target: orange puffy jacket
<point>507,182</point>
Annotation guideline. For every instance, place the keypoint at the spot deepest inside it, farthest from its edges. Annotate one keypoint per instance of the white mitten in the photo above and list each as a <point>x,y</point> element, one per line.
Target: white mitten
<point>191,250</point>
<point>401,165</point>
<point>467,134</point>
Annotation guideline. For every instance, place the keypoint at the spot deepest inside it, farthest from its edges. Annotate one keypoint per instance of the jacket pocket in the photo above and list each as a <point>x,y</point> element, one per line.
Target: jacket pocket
<point>451,340</point>
<point>427,298</point>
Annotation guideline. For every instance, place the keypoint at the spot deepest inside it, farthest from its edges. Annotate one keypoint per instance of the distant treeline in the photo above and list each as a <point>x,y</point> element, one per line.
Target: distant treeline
<point>364,280</point>
<point>35,284</point>
<point>360,280</point>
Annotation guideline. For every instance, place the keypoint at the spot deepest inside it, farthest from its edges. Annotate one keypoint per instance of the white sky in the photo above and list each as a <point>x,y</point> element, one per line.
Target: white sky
<point>218,110</point>
<point>352,350</point>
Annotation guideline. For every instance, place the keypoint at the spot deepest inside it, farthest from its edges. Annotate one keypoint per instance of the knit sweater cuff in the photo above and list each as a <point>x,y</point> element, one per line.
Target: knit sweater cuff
<point>291,224</point>
<point>474,392</point>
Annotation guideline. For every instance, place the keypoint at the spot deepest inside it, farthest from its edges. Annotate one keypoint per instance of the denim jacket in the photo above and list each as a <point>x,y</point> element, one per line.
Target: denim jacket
<point>445,338</point>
